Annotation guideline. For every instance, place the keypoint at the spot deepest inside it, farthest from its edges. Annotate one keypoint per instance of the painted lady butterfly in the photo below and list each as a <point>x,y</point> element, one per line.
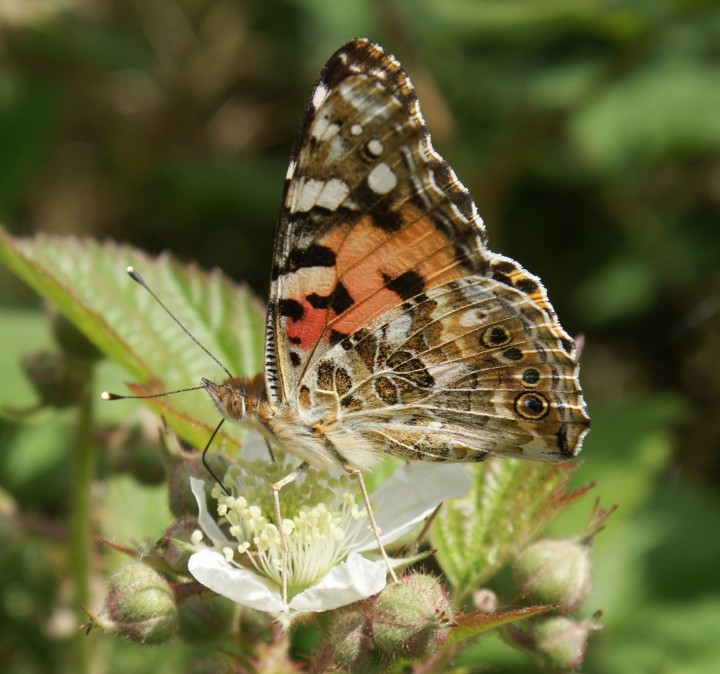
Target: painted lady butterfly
<point>392,329</point>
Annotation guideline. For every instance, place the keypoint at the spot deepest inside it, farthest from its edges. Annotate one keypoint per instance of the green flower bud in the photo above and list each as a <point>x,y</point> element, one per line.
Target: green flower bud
<point>175,547</point>
<point>140,606</point>
<point>485,600</point>
<point>348,639</point>
<point>411,617</point>
<point>57,378</point>
<point>133,448</point>
<point>206,617</point>
<point>559,642</point>
<point>70,339</point>
<point>181,499</point>
<point>181,468</point>
<point>555,571</point>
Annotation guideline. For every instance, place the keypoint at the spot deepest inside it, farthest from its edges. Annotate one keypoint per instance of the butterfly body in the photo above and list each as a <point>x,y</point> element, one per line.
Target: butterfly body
<point>391,327</point>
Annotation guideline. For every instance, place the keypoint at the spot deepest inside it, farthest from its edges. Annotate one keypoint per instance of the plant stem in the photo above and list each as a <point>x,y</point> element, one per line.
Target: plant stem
<point>81,537</point>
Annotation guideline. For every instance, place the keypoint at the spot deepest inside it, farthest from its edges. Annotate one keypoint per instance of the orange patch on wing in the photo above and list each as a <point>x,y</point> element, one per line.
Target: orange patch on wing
<point>367,255</point>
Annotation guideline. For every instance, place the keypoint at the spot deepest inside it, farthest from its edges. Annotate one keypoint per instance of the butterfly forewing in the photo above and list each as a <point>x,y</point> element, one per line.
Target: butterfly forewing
<point>370,215</point>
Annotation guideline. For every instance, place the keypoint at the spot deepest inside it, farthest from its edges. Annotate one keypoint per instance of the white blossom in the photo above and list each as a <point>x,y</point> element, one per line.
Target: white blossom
<point>333,556</point>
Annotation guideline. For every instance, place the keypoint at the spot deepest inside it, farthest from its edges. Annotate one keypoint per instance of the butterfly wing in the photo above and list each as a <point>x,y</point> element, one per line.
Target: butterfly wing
<point>376,229</point>
<point>370,216</point>
<point>468,368</point>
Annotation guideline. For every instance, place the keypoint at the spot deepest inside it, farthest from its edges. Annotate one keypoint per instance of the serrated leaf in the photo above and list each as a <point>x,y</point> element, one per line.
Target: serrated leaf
<point>88,282</point>
<point>474,624</point>
<point>509,503</point>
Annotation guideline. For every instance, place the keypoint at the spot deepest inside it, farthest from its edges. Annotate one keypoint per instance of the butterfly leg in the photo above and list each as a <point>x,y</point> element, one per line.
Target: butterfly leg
<point>269,449</point>
<point>371,517</point>
<point>290,477</point>
<point>410,551</point>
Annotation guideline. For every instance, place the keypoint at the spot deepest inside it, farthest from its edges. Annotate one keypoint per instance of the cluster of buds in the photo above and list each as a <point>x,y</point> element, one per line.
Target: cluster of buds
<point>559,572</point>
<point>60,375</point>
<point>232,547</point>
<point>151,601</point>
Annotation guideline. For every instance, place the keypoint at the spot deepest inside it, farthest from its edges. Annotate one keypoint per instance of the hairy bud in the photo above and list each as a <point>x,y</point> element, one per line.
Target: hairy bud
<point>175,546</point>
<point>350,642</point>
<point>140,606</point>
<point>560,642</point>
<point>206,617</point>
<point>133,448</point>
<point>411,617</point>
<point>57,378</point>
<point>555,571</point>
<point>70,339</point>
<point>182,466</point>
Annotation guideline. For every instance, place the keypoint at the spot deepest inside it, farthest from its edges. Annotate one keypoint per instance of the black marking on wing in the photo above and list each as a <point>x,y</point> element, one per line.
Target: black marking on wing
<point>405,286</point>
<point>292,309</point>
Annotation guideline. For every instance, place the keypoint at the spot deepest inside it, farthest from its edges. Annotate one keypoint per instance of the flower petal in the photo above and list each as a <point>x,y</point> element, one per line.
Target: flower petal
<point>241,585</point>
<point>207,523</point>
<point>411,493</point>
<point>352,580</point>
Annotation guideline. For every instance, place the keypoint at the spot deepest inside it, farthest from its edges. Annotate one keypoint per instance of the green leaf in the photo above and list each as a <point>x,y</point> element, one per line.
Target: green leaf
<point>509,503</point>
<point>666,108</point>
<point>89,284</point>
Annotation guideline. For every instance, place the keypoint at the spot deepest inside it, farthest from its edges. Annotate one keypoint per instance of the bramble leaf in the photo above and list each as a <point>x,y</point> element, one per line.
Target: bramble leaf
<point>509,503</point>
<point>88,282</point>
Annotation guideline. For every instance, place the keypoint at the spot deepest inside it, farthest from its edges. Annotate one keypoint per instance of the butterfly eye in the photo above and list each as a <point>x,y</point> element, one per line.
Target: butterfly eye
<point>236,405</point>
<point>531,406</point>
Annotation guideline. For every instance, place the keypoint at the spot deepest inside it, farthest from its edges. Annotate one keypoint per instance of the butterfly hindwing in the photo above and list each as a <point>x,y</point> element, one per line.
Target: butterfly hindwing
<point>469,367</point>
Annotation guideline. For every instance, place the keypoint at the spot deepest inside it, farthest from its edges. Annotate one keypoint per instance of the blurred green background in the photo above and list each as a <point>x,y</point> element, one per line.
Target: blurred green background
<point>588,132</point>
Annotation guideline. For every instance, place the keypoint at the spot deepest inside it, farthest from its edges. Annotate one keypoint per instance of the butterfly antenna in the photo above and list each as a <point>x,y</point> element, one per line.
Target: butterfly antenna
<point>106,395</point>
<point>141,281</point>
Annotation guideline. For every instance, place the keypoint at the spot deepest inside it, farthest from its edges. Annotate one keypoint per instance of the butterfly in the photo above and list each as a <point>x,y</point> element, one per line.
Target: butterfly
<point>391,327</point>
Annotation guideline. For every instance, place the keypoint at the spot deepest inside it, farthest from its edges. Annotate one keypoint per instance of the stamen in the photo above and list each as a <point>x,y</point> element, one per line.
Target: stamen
<point>318,536</point>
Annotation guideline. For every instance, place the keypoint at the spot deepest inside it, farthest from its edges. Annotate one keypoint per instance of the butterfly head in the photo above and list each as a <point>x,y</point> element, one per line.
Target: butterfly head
<point>237,398</point>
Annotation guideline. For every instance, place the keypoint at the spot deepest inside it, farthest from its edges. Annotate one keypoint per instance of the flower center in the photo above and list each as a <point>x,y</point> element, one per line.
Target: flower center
<point>319,514</point>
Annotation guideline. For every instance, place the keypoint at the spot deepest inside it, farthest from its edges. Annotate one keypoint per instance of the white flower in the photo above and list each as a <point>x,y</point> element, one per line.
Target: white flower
<point>330,545</point>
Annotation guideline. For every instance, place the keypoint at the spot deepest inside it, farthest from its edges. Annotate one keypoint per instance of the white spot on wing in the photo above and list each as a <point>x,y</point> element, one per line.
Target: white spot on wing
<point>304,195</point>
<point>375,147</point>
<point>382,179</point>
<point>290,170</point>
<point>310,193</point>
<point>355,129</point>
<point>472,318</point>
<point>322,129</point>
<point>333,194</point>
<point>336,150</point>
<point>319,95</point>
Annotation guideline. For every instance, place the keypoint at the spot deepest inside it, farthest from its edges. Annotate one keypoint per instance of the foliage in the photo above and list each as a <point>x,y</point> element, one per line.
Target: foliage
<point>588,135</point>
